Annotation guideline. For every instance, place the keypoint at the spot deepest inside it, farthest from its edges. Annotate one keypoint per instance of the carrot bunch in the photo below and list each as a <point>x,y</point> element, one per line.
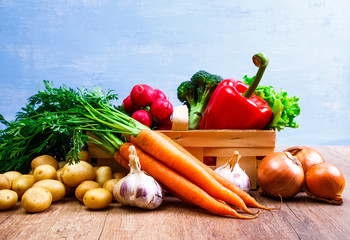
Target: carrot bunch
<point>185,176</point>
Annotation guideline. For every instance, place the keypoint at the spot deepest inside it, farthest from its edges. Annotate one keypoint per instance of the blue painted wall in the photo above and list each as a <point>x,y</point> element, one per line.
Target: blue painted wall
<point>117,44</point>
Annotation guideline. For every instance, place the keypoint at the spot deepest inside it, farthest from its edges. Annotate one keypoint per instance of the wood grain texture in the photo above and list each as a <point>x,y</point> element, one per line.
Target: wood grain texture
<point>298,218</point>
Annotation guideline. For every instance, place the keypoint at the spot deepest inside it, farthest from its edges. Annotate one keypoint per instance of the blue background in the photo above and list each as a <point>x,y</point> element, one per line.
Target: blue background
<point>117,44</point>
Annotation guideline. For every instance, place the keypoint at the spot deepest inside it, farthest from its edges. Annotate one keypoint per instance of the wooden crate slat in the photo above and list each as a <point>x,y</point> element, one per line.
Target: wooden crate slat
<point>97,152</point>
<point>243,151</point>
<point>196,152</point>
<point>223,138</point>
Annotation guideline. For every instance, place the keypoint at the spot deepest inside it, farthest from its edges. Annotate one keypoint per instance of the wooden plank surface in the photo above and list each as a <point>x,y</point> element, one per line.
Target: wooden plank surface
<point>223,138</point>
<point>298,218</point>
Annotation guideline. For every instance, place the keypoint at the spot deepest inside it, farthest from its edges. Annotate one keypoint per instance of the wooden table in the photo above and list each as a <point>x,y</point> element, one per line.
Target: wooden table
<point>299,218</point>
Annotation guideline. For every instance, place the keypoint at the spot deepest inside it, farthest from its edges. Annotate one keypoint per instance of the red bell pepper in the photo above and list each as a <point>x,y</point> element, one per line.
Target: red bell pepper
<point>234,106</point>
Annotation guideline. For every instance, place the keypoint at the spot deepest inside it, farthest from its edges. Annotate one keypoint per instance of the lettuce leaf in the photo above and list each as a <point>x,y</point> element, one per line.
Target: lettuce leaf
<point>284,108</point>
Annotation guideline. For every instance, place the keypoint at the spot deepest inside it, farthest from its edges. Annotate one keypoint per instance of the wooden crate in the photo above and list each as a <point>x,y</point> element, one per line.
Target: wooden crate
<point>253,145</point>
<point>101,158</point>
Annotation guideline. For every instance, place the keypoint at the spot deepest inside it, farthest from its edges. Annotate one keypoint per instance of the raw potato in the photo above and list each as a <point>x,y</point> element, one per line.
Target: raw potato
<point>12,175</point>
<point>97,167</point>
<point>45,172</point>
<point>103,174</point>
<point>58,173</point>
<point>55,187</point>
<point>84,187</point>
<point>8,199</point>
<point>61,164</point>
<point>36,199</point>
<point>5,183</point>
<point>74,174</point>
<point>97,198</point>
<point>119,175</point>
<point>110,184</point>
<point>44,159</point>
<point>22,184</point>
<point>69,190</point>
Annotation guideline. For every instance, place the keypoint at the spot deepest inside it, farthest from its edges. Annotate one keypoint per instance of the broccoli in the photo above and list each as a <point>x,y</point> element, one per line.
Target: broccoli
<point>196,94</point>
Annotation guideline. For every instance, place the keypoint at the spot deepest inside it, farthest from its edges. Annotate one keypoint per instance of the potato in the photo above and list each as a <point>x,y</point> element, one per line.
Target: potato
<point>119,175</point>
<point>61,164</point>
<point>44,159</point>
<point>36,199</point>
<point>96,167</point>
<point>22,184</point>
<point>8,199</point>
<point>74,174</point>
<point>5,183</point>
<point>103,174</point>
<point>12,175</point>
<point>84,187</point>
<point>44,172</point>
<point>58,173</point>
<point>97,198</point>
<point>110,184</point>
<point>69,190</point>
<point>55,187</point>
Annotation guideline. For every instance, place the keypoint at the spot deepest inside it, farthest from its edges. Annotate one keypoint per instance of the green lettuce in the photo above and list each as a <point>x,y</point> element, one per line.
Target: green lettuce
<point>284,108</point>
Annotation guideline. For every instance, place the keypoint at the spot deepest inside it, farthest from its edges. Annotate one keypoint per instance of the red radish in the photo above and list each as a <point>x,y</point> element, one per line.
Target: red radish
<point>143,117</point>
<point>159,94</point>
<point>165,124</point>
<point>128,106</point>
<point>161,109</point>
<point>142,95</point>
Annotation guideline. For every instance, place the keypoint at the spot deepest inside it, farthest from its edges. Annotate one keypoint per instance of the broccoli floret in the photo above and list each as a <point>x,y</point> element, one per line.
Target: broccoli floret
<point>196,94</point>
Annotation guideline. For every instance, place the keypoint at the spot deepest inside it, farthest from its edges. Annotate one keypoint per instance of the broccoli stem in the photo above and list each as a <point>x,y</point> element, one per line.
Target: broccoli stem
<point>261,61</point>
<point>197,109</point>
<point>195,116</point>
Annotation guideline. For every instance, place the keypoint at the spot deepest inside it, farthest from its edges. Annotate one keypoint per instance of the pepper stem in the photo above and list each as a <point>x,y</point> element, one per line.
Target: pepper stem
<point>261,61</point>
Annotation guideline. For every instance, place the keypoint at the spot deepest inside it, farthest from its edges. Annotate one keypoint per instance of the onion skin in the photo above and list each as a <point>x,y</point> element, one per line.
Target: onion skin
<point>325,182</point>
<point>280,175</point>
<point>306,156</point>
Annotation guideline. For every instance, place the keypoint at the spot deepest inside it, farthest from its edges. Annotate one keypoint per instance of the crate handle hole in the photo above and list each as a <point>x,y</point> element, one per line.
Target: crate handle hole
<point>209,160</point>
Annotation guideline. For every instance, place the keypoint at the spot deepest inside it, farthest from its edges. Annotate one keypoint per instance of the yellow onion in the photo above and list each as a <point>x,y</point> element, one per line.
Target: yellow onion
<point>280,175</point>
<point>306,156</point>
<point>325,182</point>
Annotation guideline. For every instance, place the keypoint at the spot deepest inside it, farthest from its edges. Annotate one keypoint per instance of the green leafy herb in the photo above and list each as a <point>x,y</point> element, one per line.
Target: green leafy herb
<point>284,108</point>
<point>60,122</point>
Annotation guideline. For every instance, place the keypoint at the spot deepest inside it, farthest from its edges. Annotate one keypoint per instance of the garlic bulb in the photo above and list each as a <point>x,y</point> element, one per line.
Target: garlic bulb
<point>137,188</point>
<point>234,173</point>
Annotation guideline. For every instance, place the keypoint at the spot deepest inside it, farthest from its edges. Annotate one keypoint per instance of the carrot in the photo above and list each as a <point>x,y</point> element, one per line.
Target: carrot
<point>180,185</point>
<point>248,200</point>
<point>122,161</point>
<point>157,146</point>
